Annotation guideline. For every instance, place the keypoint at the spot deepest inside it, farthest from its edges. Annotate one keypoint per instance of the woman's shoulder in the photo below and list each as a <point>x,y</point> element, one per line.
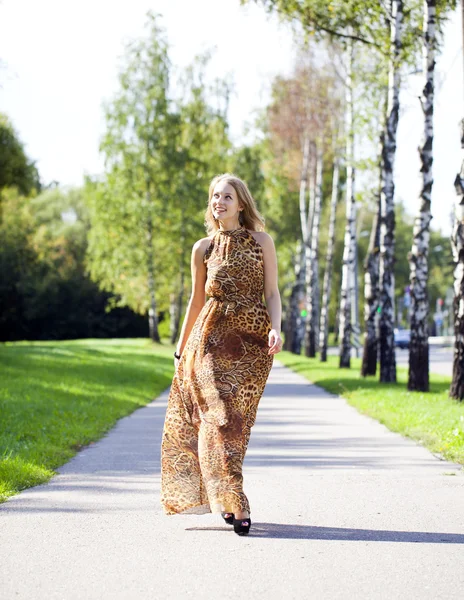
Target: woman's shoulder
<point>199,250</point>
<point>262,237</point>
<point>202,244</point>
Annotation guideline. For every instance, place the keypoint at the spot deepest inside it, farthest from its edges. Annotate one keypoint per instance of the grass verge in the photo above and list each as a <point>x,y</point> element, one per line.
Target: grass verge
<point>432,419</point>
<point>56,397</point>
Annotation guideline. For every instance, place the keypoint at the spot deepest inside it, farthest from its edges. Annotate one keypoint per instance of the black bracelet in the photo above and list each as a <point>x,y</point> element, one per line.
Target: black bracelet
<point>176,355</point>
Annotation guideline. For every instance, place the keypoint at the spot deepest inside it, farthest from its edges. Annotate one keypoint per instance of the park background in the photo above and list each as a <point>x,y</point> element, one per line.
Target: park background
<point>73,251</point>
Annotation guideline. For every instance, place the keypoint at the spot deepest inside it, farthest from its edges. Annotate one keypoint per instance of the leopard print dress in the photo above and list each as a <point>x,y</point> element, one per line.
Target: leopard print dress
<point>218,383</point>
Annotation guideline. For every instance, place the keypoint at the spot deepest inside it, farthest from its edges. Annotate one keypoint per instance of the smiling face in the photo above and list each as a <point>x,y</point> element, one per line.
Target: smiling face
<point>225,205</point>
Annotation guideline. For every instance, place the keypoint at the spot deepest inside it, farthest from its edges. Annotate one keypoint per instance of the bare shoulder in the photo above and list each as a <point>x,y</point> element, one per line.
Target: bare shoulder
<point>200,246</point>
<point>199,250</point>
<point>263,239</point>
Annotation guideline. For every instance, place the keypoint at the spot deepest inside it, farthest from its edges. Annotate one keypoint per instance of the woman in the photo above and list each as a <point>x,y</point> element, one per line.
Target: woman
<point>222,360</point>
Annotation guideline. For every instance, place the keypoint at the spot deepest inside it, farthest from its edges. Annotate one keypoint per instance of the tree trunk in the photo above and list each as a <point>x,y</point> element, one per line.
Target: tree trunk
<point>304,211</point>
<point>350,227</point>
<point>371,298</point>
<point>152,315</point>
<point>327,285</point>
<point>293,319</point>
<point>292,322</point>
<point>418,257</point>
<point>457,242</point>
<point>355,326</point>
<point>177,313</point>
<point>337,324</point>
<point>173,317</point>
<point>387,223</point>
<point>312,289</point>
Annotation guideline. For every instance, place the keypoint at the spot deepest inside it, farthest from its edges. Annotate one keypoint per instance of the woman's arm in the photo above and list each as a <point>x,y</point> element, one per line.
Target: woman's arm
<point>271,290</point>
<point>198,296</point>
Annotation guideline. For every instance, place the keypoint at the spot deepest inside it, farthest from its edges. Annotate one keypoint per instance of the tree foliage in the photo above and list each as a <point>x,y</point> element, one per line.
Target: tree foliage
<point>160,147</point>
<point>45,292</point>
<point>16,169</point>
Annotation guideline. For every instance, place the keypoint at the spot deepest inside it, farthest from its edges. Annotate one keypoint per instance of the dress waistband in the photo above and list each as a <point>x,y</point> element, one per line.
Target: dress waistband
<point>232,305</point>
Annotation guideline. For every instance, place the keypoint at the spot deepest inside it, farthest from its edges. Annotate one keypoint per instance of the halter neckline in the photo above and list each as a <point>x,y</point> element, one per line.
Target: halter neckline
<point>231,231</point>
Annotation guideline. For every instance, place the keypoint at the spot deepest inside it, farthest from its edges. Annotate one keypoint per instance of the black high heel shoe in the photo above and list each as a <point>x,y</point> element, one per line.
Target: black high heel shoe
<point>242,526</point>
<point>228,517</point>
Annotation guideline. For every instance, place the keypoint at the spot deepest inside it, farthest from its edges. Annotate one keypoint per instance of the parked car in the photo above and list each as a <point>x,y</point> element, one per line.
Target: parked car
<point>402,338</point>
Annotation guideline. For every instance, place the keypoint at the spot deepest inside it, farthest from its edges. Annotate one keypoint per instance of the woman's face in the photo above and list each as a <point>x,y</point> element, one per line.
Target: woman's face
<point>224,202</point>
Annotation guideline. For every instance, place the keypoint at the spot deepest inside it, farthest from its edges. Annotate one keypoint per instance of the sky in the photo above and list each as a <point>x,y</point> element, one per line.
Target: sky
<point>59,62</point>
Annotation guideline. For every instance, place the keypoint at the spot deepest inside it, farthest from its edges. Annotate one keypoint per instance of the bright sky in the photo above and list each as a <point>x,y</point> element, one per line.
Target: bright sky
<point>59,62</point>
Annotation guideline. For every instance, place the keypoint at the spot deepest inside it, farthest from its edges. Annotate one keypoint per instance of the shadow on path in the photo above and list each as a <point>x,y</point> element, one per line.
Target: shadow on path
<point>307,532</point>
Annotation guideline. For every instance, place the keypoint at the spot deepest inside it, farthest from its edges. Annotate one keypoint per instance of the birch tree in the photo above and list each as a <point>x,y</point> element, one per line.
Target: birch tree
<point>418,257</point>
<point>158,151</point>
<point>139,128</point>
<point>293,339</point>
<point>371,300</point>
<point>200,147</point>
<point>312,282</point>
<point>387,199</point>
<point>357,21</point>
<point>349,248</point>
<point>457,243</point>
<point>298,117</point>
<point>292,331</point>
<point>327,285</point>
<point>365,21</point>
<point>305,223</point>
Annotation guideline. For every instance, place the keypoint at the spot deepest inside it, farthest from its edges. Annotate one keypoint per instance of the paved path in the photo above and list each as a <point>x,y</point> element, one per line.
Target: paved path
<point>342,508</point>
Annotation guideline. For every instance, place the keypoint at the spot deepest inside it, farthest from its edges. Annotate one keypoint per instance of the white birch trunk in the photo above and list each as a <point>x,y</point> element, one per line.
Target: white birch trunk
<point>371,286</point>
<point>312,192</point>
<point>418,257</point>
<point>350,227</point>
<point>355,329</point>
<point>457,243</point>
<point>293,320</point>
<point>371,299</point>
<point>149,256</point>
<point>152,313</point>
<point>312,289</point>
<point>173,316</point>
<point>387,197</point>
<point>176,311</point>
<point>307,254</point>
<point>327,285</point>
<point>304,211</point>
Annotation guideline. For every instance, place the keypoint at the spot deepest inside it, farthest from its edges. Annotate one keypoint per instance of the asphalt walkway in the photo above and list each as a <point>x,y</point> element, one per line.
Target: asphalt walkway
<point>341,508</point>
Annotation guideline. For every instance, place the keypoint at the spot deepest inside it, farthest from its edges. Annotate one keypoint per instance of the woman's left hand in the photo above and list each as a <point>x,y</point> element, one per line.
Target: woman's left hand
<point>275,342</point>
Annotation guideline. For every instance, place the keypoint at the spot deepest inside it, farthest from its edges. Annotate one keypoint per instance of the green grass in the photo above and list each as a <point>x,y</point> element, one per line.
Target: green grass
<point>433,419</point>
<point>56,397</point>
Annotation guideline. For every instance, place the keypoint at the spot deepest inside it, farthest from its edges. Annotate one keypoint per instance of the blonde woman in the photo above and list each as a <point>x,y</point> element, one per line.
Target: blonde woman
<point>223,359</point>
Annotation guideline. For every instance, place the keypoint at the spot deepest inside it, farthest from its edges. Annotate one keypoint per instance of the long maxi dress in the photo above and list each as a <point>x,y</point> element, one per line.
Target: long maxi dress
<point>218,383</point>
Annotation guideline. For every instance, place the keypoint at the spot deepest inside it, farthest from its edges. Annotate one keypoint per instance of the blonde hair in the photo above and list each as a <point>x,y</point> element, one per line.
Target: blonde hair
<point>250,217</point>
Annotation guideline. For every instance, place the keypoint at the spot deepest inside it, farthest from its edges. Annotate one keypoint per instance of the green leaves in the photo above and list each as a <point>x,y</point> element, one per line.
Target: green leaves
<point>15,168</point>
<point>164,141</point>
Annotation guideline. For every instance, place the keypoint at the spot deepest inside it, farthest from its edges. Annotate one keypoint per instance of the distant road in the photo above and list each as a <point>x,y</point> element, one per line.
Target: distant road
<point>441,359</point>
